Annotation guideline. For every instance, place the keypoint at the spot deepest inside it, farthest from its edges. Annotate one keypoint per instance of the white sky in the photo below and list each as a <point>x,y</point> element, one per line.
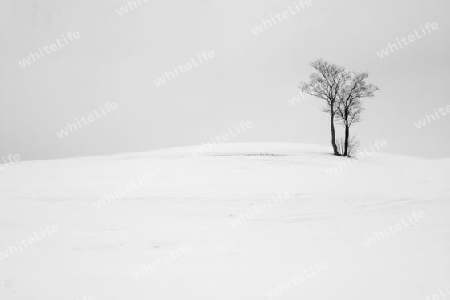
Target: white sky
<point>251,77</point>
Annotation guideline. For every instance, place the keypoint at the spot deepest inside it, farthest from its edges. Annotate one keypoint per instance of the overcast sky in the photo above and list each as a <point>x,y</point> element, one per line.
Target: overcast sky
<point>250,78</point>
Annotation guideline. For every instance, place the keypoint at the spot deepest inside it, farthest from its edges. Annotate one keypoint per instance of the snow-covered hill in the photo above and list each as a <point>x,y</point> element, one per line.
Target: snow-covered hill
<point>242,221</point>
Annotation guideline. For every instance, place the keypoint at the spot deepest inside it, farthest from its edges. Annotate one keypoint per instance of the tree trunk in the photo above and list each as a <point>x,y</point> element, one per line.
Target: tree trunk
<point>333,134</point>
<point>347,133</point>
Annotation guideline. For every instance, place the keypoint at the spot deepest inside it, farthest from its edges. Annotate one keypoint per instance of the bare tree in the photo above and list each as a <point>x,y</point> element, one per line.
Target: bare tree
<point>326,83</point>
<point>349,101</point>
<point>352,145</point>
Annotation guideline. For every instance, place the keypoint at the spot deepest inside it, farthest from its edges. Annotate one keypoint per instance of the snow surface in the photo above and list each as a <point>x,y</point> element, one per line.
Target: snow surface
<point>192,201</point>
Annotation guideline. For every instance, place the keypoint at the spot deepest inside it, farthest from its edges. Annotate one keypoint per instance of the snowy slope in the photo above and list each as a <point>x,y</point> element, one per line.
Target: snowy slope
<point>319,220</point>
